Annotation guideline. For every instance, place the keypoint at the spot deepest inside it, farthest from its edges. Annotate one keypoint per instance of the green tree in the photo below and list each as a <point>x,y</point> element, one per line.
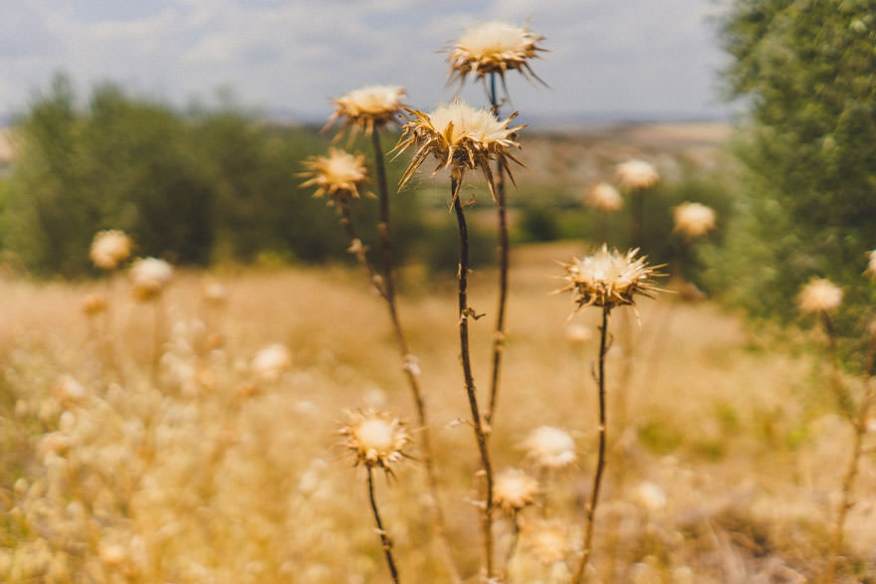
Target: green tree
<point>806,72</point>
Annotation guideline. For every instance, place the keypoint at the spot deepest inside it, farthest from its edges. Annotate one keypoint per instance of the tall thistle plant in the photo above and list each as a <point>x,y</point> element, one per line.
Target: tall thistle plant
<point>462,138</point>
<point>487,52</point>
<point>606,280</point>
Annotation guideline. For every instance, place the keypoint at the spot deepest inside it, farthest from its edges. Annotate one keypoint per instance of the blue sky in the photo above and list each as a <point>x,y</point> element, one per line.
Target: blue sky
<point>645,57</point>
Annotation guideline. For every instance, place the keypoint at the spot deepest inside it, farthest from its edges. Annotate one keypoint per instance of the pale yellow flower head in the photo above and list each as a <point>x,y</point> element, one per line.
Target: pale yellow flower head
<point>149,277</point>
<point>608,278</point>
<point>376,439</point>
<point>550,447</point>
<point>459,137</point>
<point>93,304</point>
<point>514,489</point>
<point>338,175</point>
<point>368,108</point>
<point>637,175</point>
<point>693,220</point>
<point>494,48</point>
<point>604,197</point>
<point>548,541</point>
<point>820,295</point>
<point>110,248</point>
<point>271,362</point>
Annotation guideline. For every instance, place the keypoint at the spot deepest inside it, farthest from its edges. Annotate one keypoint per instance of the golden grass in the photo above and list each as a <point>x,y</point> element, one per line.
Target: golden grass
<point>216,476</point>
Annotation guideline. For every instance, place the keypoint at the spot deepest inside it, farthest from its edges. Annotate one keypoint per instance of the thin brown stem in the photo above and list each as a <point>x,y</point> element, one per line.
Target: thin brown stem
<point>515,538</point>
<point>385,288</point>
<point>859,424</point>
<point>477,423</point>
<point>385,540</point>
<point>600,463</point>
<point>504,256</point>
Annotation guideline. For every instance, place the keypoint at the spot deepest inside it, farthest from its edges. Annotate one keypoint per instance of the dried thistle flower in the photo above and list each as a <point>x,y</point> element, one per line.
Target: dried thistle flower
<point>149,277</point>
<point>214,293</point>
<point>377,439</point>
<point>604,197</point>
<point>514,490</point>
<point>368,108</point>
<point>820,295</point>
<point>110,248</point>
<point>271,362</point>
<point>548,541</point>
<point>693,220</point>
<point>609,279</point>
<point>338,175</point>
<point>93,304</point>
<point>460,137</point>
<point>550,447</point>
<point>494,48</point>
<point>637,175</point>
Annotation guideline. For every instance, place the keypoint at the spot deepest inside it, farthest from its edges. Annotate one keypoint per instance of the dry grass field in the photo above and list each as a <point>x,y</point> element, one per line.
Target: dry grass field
<point>724,458</point>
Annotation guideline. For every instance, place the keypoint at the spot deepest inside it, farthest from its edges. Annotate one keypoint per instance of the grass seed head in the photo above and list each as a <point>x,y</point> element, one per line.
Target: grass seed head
<point>820,295</point>
<point>338,175</point>
<point>637,175</point>
<point>494,48</point>
<point>109,249</point>
<point>460,138</point>
<point>514,490</point>
<point>604,197</point>
<point>367,108</point>
<point>693,220</point>
<point>376,438</point>
<point>550,447</point>
<point>608,278</point>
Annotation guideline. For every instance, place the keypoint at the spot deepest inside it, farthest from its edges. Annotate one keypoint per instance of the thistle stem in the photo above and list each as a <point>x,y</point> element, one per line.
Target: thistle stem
<point>504,253</point>
<point>477,423</point>
<point>411,373</point>
<point>385,540</point>
<point>600,464</point>
<point>859,424</point>
<point>386,290</point>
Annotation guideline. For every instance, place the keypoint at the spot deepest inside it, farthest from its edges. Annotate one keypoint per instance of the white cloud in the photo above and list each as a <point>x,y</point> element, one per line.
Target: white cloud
<point>649,55</point>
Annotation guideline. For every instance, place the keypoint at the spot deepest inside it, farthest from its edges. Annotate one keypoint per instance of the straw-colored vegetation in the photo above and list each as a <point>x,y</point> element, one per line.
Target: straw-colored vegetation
<point>730,459</point>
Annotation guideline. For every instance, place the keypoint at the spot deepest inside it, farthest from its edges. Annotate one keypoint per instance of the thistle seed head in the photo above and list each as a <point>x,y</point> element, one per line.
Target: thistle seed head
<point>820,295</point>
<point>494,48</point>
<point>338,175</point>
<point>110,248</point>
<point>693,220</point>
<point>608,279</point>
<point>375,438</point>
<point>514,490</point>
<point>367,108</point>
<point>636,175</point>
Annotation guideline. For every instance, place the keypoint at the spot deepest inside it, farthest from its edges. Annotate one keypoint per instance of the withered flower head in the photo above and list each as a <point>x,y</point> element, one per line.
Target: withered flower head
<point>548,541</point>
<point>820,296</point>
<point>376,439</point>
<point>514,490</point>
<point>608,279</point>
<point>637,175</point>
<point>550,447</point>
<point>604,197</point>
<point>494,47</point>
<point>693,220</point>
<point>149,277</point>
<point>338,175</point>
<point>109,248</point>
<point>93,304</point>
<point>368,108</point>
<point>459,137</point>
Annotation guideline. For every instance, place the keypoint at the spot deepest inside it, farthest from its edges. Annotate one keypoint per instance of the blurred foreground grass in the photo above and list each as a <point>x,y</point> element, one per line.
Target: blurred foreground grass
<point>724,462</point>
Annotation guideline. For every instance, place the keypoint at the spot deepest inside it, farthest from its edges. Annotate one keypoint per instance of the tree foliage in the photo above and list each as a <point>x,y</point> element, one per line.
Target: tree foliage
<point>806,69</point>
<point>197,188</point>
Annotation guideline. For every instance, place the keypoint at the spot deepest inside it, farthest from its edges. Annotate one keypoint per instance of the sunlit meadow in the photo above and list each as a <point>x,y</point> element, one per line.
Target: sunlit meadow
<point>570,413</point>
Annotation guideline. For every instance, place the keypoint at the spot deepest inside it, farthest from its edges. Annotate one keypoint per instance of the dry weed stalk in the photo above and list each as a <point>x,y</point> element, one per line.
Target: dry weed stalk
<point>490,50</point>
<point>605,280</point>
<point>822,297</point>
<point>370,109</point>
<point>463,138</point>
